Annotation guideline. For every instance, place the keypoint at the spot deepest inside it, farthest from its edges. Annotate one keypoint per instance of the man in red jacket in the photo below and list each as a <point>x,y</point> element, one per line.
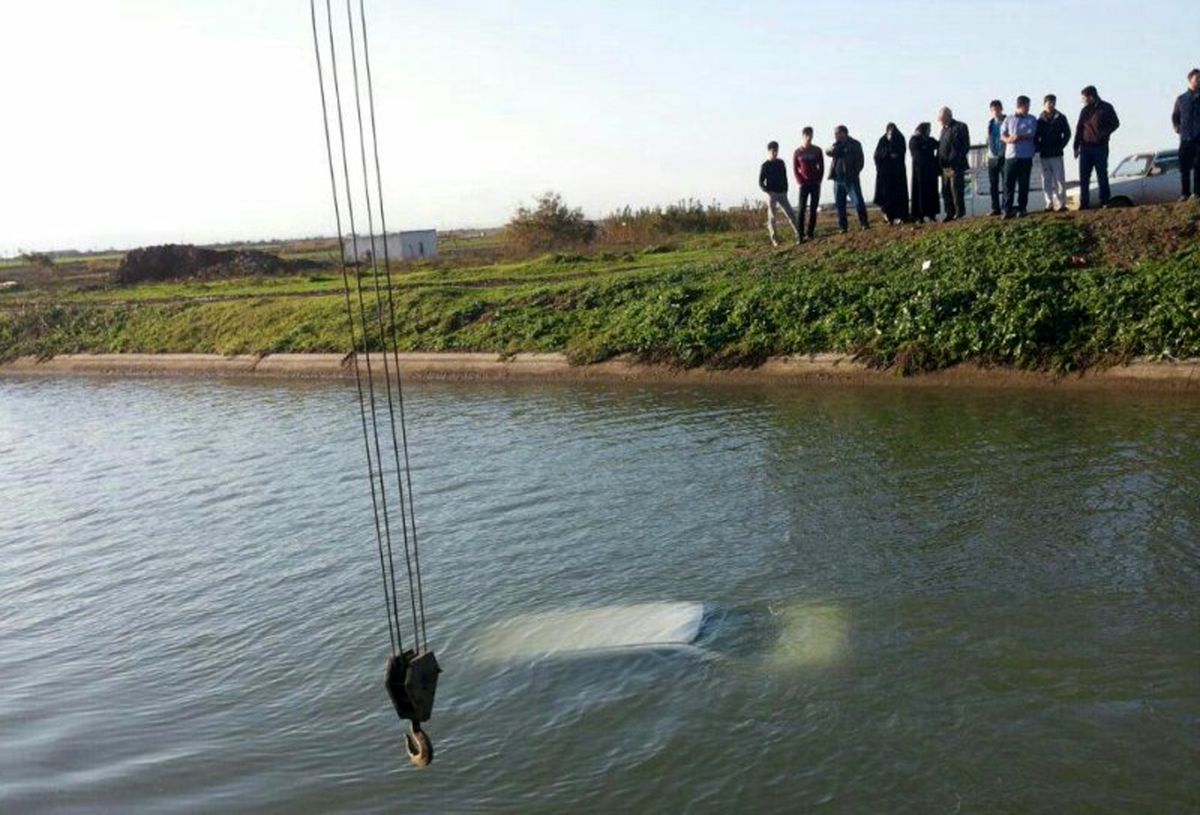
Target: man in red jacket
<point>808,164</point>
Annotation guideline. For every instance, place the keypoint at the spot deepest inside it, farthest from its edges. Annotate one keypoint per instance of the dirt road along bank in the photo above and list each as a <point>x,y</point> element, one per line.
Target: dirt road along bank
<point>832,369</point>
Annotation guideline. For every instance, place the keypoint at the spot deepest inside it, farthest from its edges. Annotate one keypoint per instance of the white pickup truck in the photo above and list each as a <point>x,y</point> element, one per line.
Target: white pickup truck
<point>1142,178</point>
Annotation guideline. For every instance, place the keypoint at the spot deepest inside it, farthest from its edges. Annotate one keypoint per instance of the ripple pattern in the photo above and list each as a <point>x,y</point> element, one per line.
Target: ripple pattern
<point>923,601</point>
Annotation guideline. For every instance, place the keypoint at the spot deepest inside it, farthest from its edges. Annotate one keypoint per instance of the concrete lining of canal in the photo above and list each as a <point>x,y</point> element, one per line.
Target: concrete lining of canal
<point>837,369</point>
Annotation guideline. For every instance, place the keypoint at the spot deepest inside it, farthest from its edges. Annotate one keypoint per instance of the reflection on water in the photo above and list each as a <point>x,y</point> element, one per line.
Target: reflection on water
<point>913,602</point>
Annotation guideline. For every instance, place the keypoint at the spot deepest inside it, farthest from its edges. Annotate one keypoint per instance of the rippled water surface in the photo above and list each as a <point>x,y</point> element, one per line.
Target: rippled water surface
<point>918,602</point>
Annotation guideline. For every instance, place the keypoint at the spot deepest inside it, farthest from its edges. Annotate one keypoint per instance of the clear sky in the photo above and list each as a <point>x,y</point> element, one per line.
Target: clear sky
<point>129,122</point>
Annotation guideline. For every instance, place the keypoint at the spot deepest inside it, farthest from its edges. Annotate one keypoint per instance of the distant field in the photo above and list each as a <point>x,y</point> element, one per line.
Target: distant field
<point>1061,292</point>
<point>82,270</point>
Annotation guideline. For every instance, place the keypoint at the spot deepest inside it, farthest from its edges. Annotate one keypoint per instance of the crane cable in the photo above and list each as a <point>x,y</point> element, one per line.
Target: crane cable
<point>385,335</point>
<point>368,400</point>
<point>416,549</point>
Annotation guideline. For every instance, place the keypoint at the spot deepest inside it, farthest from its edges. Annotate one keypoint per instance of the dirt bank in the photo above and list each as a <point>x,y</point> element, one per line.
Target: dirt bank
<point>833,369</point>
<point>1052,293</point>
<point>183,261</point>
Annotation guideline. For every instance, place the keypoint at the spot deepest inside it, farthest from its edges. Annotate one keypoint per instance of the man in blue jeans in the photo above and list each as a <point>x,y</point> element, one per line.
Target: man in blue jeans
<point>1019,133</point>
<point>844,171</point>
<point>1097,122</point>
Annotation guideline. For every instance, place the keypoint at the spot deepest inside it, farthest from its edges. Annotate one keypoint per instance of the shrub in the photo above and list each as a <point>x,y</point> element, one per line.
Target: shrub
<point>549,225</point>
<point>689,216</point>
<point>39,259</point>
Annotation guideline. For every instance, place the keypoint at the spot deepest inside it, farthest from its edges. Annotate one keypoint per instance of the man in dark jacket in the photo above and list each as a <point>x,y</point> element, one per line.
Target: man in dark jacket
<point>1186,118</point>
<point>1097,122</point>
<point>1053,136</point>
<point>847,165</point>
<point>954,147</point>
<point>772,179</point>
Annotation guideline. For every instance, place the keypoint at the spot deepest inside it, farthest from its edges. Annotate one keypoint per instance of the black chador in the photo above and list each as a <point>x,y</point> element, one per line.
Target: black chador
<point>925,175</point>
<point>891,181</point>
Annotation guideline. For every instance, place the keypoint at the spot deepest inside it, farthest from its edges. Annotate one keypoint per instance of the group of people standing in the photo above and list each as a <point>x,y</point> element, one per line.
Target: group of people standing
<point>940,165</point>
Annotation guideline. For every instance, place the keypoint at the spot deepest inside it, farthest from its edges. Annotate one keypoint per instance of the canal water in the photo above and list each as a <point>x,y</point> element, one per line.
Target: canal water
<point>914,601</point>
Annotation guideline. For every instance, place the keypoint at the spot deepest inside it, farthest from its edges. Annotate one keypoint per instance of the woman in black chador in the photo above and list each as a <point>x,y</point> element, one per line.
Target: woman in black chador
<point>925,173</point>
<point>891,182</point>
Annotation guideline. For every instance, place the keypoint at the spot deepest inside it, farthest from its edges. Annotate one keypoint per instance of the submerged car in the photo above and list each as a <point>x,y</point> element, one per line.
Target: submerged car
<point>1142,178</point>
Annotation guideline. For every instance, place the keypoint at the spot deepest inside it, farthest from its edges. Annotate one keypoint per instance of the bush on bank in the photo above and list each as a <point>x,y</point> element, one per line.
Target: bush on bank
<point>691,217</point>
<point>549,224</point>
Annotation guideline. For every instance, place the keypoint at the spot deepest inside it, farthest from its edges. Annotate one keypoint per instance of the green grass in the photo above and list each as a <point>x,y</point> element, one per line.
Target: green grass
<point>1005,294</point>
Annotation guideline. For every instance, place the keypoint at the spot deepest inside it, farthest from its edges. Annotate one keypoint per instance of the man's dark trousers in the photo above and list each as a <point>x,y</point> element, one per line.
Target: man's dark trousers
<point>1016,184</point>
<point>954,192</point>
<point>995,173</point>
<point>1092,157</point>
<point>1189,167</point>
<point>810,197</point>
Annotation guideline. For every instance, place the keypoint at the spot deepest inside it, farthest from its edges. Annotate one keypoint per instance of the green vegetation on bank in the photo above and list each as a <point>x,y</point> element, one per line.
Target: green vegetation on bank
<point>1048,292</point>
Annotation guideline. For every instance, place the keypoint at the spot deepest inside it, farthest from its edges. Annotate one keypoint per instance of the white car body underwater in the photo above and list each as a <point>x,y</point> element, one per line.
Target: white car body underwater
<point>1141,178</point>
<point>806,634</point>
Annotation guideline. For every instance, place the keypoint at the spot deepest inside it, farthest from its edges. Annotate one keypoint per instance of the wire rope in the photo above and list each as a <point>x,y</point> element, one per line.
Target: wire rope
<point>368,397</point>
<point>383,333</point>
<point>392,316</point>
<point>393,632</point>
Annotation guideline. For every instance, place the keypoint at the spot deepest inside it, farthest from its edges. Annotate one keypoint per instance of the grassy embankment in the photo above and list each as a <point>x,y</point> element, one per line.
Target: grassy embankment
<point>1050,292</point>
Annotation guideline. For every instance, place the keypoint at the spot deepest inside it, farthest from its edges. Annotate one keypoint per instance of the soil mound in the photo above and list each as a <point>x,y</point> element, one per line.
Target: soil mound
<point>175,261</point>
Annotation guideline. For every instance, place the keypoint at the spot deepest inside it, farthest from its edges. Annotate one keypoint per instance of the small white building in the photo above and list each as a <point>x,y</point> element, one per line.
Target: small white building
<point>412,245</point>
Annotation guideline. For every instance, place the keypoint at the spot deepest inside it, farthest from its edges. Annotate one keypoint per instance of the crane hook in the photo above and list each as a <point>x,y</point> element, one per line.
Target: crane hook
<point>418,746</point>
<point>411,683</point>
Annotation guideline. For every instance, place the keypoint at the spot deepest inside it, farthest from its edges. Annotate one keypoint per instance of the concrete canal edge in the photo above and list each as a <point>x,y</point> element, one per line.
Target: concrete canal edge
<point>808,369</point>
